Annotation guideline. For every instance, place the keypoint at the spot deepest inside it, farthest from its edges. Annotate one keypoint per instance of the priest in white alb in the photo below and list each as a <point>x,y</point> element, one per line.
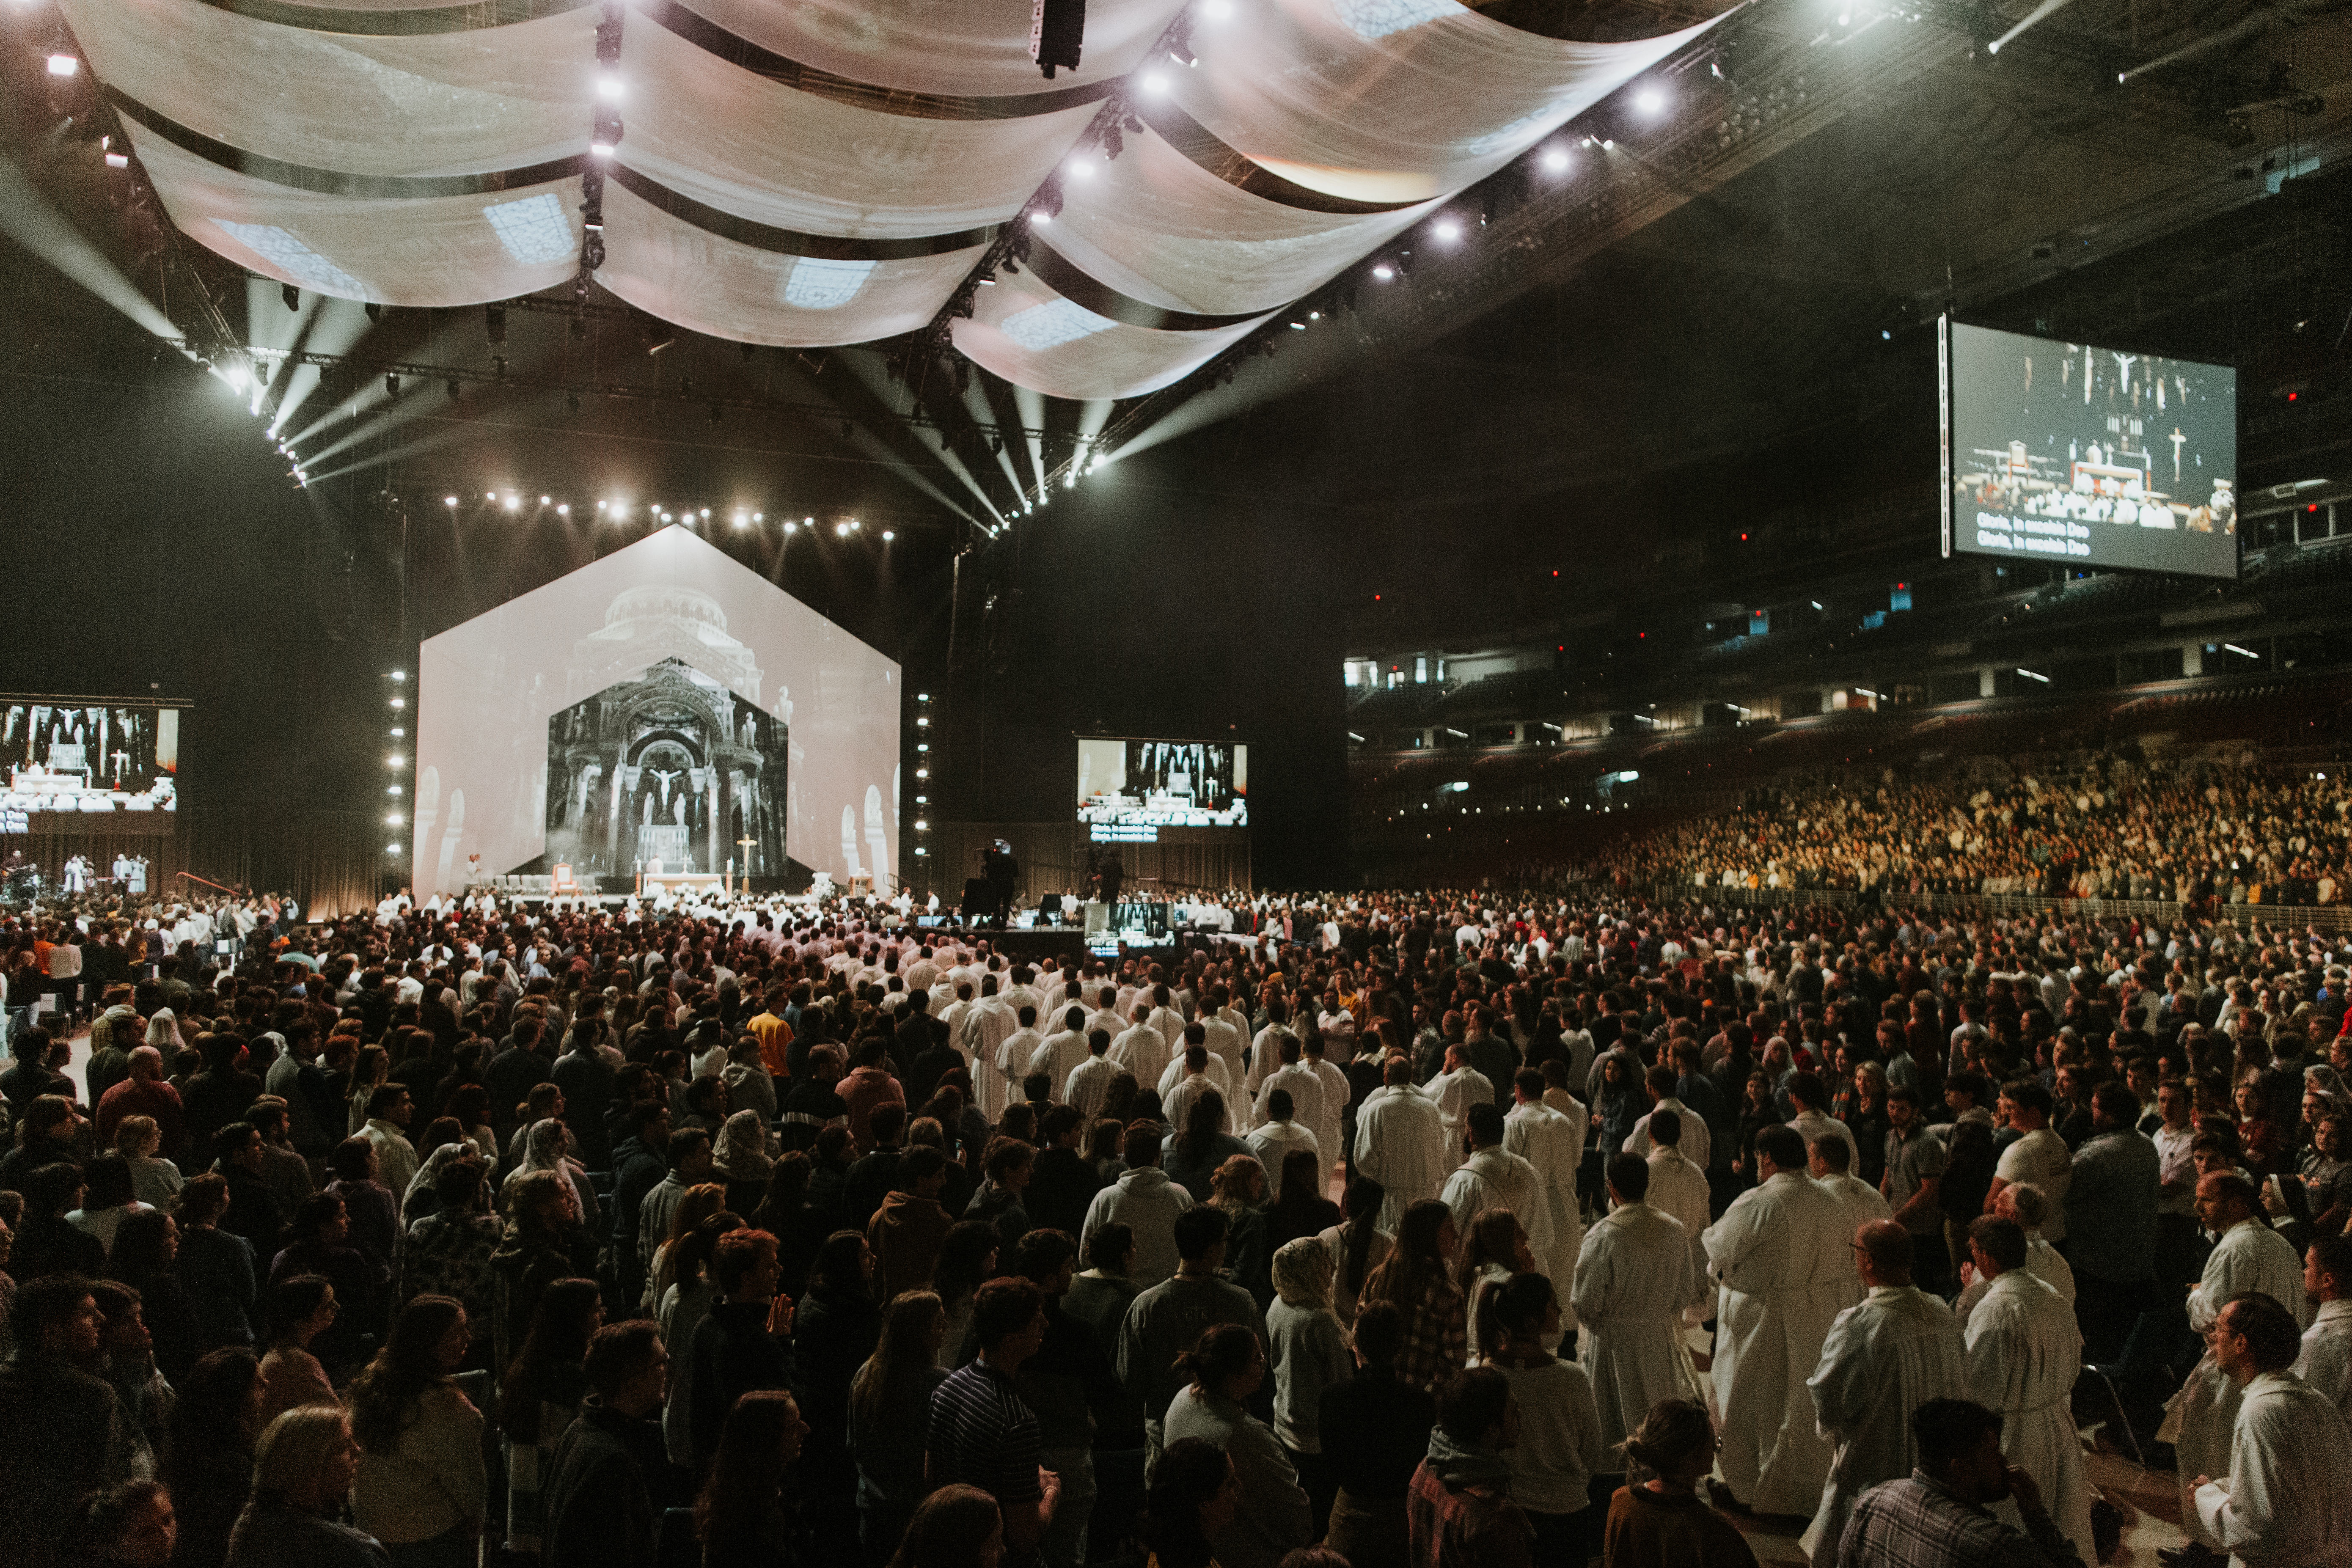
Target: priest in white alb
<point>1400,1142</point>
<point>1454,1092</point>
<point>1885,1357</point>
<point>1781,1253</point>
<point>1492,1177</point>
<point>2024,1355</point>
<point>1546,1139</point>
<point>1679,1188</point>
<point>1826,1159</point>
<point>1632,1279</point>
<point>2250,1256</point>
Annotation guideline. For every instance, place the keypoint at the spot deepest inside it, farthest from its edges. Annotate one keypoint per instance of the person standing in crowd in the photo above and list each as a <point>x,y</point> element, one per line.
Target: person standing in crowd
<point>1308,1348</point>
<point>1417,1280</point>
<point>1145,1201</point>
<point>1782,1253</point>
<point>2325,1363</point>
<point>1458,1508</point>
<point>303,1468</point>
<point>1559,1461</point>
<point>980,1433</point>
<point>2025,1353</point>
<point>609,1481</point>
<point>1400,1142</point>
<point>1884,1357</point>
<point>1662,1522</point>
<point>1167,1319</point>
<point>2287,1495</point>
<point>1940,1515</point>
<point>1632,1281</point>
<point>1915,1160</point>
<point>422,1488</point>
<point>63,1431</point>
<point>2111,1214</point>
<point>740,1516</point>
<point>889,1415</point>
<point>1225,1371</point>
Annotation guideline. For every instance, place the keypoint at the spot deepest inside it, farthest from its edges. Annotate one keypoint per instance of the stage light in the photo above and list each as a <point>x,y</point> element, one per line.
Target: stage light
<point>841,529</point>
<point>63,65</point>
<point>514,503</point>
<point>1081,168</point>
<point>854,525</point>
<point>564,510</point>
<point>705,511</point>
<point>1384,272</point>
<point>1555,160</point>
<point>742,519</point>
<point>1216,10</point>
<point>922,697</point>
<point>400,675</point>
<point>808,522</point>
<point>118,160</point>
<point>608,86</point>
<point>391,848</point>
<point>393,817</point>
<point>449,501</point>
<point>888,534</point>
<point>923,748</point>
<point>489,495</point>
<point>398,732</point>
<point>392,761</point>
<point>922,773</point>
<point>1039,220</point>
<point>1447,230</point>
<point>757,517</point>
<point>1650,99</point>
<point>391,789</point>
<point>545,499</point>
<point>923,724</point>
<point>791,527</point>
<point>400,702</point>
<point>1155,82</point>
<point>600,149</point>
<point>921,826</point>
<point>620,509</point>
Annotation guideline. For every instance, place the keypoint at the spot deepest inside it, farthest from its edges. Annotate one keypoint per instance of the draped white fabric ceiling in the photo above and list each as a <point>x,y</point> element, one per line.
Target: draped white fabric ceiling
<point>814,173</point>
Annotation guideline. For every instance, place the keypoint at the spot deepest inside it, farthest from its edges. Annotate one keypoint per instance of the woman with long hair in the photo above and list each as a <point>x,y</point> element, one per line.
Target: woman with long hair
<point>1560,1448</point>
<point>301,1307</point>
<point>890,1414</point>
<point>1756,1112</point>
<point>836,1326</point>
<point>1299,1207</point>
<point>208,1458</point>
<point>785,1213</point>
<point>739,1516</point>
<point>701,1201</point>
<point>1309,1352</point>
<point>538,1397</point>
<point>967,1261</point>
<point>317,1244</point>
<point>370,1070</point>
<point>544,1242</point>
<point>145,1257</point>
<point>1496,1249</point>
<point>1195,1494</point>
<point>302,1472</point>
<point>1357,1245</point>
<point>684,1305</point>
<point>1620,1102</point>
<point>1190,1156</point>
<point>1417,1280</point>
<point>1274,1516</point>
<point>1375,1432</point>
<point>421,1489</point>
<point>217,1266</point>
<point>956,1527</point>
<point>1237,1188</point>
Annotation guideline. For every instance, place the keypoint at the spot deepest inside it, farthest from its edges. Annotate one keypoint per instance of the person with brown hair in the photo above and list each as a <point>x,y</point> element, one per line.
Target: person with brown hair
<point>1417,1280</point>
<point>956,1527</point>
<point>1459,1507</point>
<point>739,1516</point>
<point>889,1407</point>
<point>982,1433</point>
<point>421,1488</point>
<point>1662,1522</point>
<point>1225,1369</point>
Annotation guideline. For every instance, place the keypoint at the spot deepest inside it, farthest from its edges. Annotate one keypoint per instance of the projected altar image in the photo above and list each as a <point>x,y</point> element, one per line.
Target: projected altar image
<point>1162,784</point>
<point>667,773</point>
<point>83,758</point>
<point>665,703</point>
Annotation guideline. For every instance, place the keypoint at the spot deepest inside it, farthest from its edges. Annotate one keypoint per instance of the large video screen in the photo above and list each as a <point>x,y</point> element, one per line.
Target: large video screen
<point>663,713</point>
<point>86,765</point>
<point>2082,456</point>
<point>1129,789</point>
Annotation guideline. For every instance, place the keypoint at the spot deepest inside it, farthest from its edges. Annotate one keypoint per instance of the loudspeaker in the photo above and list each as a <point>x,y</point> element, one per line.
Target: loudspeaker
<point>1057,29</point>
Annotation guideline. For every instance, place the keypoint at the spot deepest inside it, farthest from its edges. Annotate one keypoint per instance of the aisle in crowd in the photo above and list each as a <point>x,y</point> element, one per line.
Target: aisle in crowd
<point>1401,1229</point>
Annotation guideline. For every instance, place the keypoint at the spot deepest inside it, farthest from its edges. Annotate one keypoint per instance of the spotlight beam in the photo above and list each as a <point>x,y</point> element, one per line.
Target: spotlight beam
<point>2039,13</point>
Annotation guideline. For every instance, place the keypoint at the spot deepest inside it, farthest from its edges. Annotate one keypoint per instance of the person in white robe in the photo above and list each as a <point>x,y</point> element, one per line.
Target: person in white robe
<point>1781,1252</point>
<point>1544,1140</point>
<point>2024,1354</point>
<point>1142,1050</point>
<point>1013,1053</point>
<point>1454,1092</point>
<point>2325,1363</point>
<point>1294,1078</point>
<point>986,1027</point>
<point>1885,1356</point>
<point>1401,1144</point>
<point>1679,1188</point>
<point>1275,1138</point>
<point>1062,1051</point>
<point>1658,1083</point>
<point>2250,1256</point>
<point>1556,1095</point>
<point>1212,1069</point>
<point>1329,1123</point>
<point>2286,1498</point>
<point>1632,1276</point>
<point>1492,1177</point>
<point>1825,1161</point>
<point>1089,1082</point>
<point>2022,1202</point>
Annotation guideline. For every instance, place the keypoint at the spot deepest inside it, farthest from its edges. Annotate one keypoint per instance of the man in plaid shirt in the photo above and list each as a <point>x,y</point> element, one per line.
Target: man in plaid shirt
<point>1941,1517</point>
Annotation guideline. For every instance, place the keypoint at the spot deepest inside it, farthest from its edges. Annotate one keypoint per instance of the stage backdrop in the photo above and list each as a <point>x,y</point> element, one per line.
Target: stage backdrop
<point>663,704</point>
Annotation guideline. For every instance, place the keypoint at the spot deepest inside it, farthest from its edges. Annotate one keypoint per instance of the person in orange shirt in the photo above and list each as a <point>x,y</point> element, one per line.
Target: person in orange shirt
<point>774,1034</point>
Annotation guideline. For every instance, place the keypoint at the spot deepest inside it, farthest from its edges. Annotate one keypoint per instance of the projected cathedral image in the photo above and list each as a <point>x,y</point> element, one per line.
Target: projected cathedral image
<point>666,771</point>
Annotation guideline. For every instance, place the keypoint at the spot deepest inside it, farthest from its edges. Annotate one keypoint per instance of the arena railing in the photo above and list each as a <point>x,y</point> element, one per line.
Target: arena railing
<point>2327,917</point>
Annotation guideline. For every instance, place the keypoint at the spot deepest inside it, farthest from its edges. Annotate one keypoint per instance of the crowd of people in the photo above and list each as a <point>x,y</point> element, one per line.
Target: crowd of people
<point>2198,833</point>
<point>1399,1230</point>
